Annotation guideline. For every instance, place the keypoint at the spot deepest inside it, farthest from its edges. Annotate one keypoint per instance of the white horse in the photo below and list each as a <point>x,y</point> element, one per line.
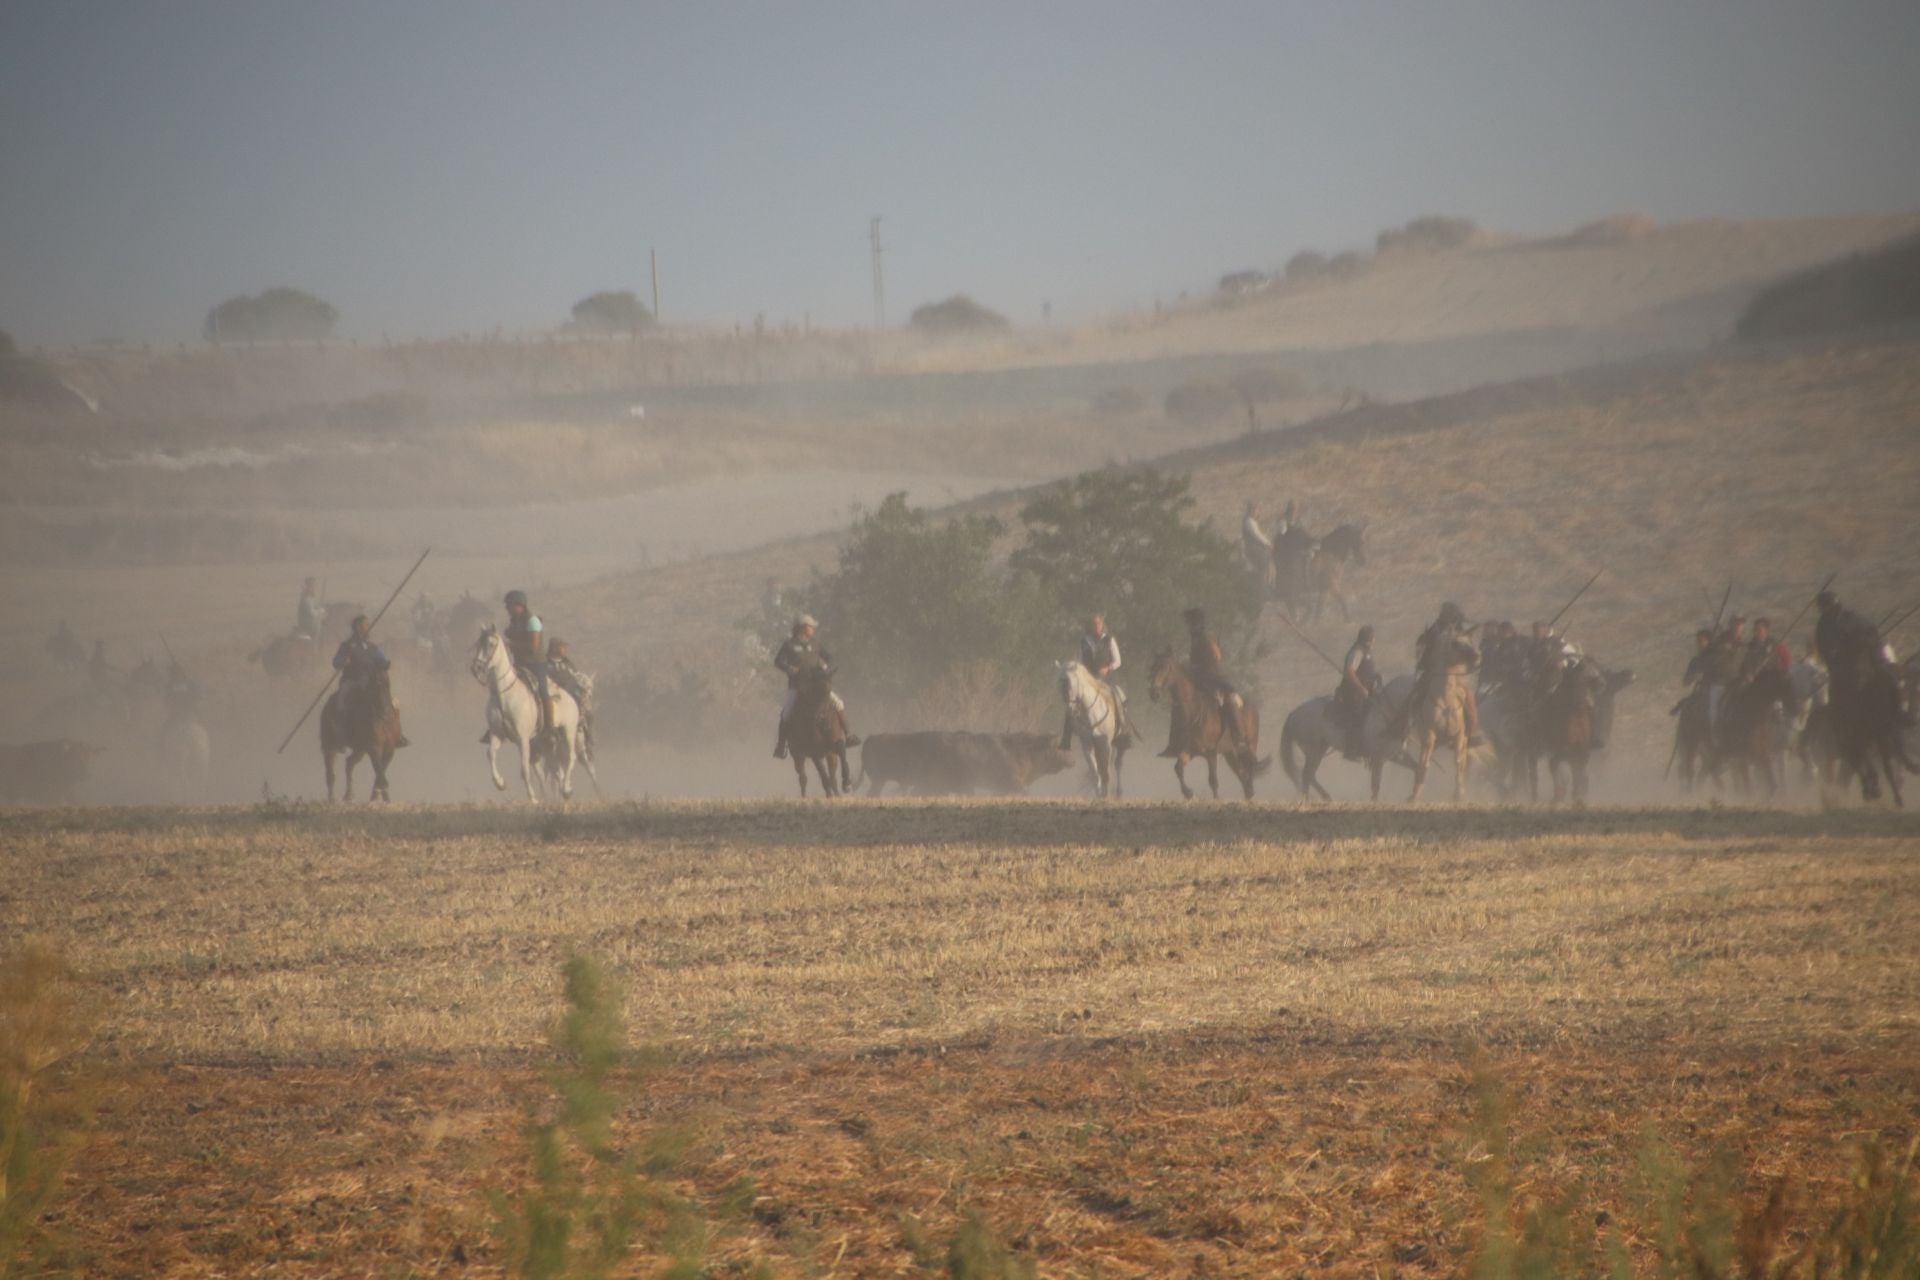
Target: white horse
<point>513,715</point>
<point>1096,723</point>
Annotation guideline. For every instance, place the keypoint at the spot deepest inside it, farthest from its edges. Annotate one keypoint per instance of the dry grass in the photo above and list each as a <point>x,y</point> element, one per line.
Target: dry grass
<point>1143,1040</point>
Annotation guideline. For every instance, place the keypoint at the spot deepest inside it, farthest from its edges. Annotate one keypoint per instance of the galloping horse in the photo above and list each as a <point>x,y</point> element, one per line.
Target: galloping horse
<point>1328,565</point>
<point>1200,729</point>
<point>1435,717</point>
<point>365,724</point>
<point>817,732</point>
<point>1096,725</point>
<point>513,715</point>
<point>1313,729</point>
<point>1574,715</point>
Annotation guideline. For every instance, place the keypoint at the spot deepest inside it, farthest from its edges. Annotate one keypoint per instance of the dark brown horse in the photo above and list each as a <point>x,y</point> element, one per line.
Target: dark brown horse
<point>1327,568</point>
<point>1869,711</point>
<point>1752,734</point>
<point>1200,729</point>
<point>1571,718</point>
<point>817,732</point>
<point>362,722</point>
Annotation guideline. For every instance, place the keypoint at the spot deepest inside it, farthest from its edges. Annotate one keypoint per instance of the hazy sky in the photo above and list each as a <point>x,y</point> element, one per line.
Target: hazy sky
<point>444,166</point>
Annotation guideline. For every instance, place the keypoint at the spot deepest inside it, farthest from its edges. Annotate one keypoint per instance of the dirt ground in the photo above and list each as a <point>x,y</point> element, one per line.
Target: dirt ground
<point>1139,1040</point>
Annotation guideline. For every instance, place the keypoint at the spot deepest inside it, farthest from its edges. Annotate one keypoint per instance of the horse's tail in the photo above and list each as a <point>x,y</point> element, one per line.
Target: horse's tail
<point>1260,766</point>
<point>1288,744</point>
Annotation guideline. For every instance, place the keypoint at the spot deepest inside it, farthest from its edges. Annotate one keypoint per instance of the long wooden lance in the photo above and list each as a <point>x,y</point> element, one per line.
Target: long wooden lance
<point>1721,612</point>
<point>1576,599</point>
<point>1311,645</point>
<point>1808,605</point>
<point>334,675</point>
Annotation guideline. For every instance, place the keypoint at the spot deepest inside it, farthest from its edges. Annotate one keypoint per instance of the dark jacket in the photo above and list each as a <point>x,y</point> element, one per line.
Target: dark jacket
<point>801,659</point>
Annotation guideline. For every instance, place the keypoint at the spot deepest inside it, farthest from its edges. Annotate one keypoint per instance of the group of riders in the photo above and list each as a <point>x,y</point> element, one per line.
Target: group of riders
<point>363,664</point>
<point>1846,662</point>
<point>1848,675</point>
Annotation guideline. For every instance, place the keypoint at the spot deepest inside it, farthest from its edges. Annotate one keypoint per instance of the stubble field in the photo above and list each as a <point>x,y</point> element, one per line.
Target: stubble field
<point>1135,1040</point>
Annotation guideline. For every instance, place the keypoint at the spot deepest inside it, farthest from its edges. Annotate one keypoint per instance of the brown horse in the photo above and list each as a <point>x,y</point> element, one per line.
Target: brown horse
<point>1574,713</point>
<point>1752,733</point>
<point>817,732</point>
<point>363,724</point>
<point>1327,567</point>
<point>1200,729</point>
<point>287,656</point>
<point>1870,713</point>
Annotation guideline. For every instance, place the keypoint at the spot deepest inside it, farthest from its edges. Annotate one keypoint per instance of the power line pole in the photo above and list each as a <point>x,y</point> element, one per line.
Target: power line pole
<point>879,277</point>
<point>653,261</point>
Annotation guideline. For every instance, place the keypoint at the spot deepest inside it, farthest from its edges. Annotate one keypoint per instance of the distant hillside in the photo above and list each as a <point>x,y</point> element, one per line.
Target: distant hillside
<point>1874,290</point>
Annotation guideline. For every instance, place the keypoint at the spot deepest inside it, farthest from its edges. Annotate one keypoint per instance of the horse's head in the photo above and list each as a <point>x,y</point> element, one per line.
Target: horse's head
<point>1063,677</point>
<point>1160,674</point>
<point>483,650</point>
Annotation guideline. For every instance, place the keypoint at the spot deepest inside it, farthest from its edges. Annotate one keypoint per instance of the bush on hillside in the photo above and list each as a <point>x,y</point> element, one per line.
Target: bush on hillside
<point>912,599</point>
<point>958,314</point>
<point>1348,264</point>
<point>1428,233</point>
<point>1196,404</point>
<point>275,315</point>
<point>1878,289</point>
<point>1308,264</point>
<point>618,311</point>
<point>1119,542</point>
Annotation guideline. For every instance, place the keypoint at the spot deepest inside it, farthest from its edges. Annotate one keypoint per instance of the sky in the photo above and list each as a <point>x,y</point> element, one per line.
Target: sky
<point>438,167</point>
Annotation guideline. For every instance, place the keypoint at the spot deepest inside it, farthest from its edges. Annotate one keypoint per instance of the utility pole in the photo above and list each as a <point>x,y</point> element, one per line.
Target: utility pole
<point>653,261</point>
<point>879,277</point>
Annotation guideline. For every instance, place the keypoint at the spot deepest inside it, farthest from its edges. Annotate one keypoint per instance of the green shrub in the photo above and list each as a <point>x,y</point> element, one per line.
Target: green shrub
<point>958,314</point>
<point>588,1202</point>
<point>274,315</point>
<point>618,311</point>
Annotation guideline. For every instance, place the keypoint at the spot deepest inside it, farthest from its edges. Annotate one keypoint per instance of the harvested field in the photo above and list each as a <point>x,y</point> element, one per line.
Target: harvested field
<point>1137,1040</point>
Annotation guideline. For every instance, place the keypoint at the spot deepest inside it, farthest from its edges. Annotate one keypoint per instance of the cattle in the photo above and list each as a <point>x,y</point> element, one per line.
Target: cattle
<point>44,772</point>
<point>946,762</point>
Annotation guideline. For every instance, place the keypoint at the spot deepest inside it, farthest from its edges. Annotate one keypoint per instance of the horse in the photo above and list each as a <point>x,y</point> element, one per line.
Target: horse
<point>1752,734</point>
<point>365,724</point>
<point>513,715</point>
<point>1436,716</point>
<point>1573,715</point>
<point>1327,565</point>
<point>1868,708</point>
<point>1293,569</point>
<point>285,656</point>
<point>817,732</point>
<point>1314,730</point>
<point>1095,716</point>
<point>1200,728</point>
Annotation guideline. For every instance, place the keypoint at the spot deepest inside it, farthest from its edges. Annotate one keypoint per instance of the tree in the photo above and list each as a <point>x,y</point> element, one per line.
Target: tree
<point>280,314</point>
<point>912,599</point>
<point>958,314</point>
<point>1118,542</point>
<point>611,312</point>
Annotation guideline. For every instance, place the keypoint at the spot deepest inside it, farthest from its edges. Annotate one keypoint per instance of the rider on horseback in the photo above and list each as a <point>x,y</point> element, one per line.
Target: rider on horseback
<point>1359,681</point>
<point>1443,648</point>
<point>306,618</point>
<point>1208,670</point>
<point>574,681</point>
<point>1100,655</point>
<point>526,641</point>
<point>357,660</point>
<point>802,660</point>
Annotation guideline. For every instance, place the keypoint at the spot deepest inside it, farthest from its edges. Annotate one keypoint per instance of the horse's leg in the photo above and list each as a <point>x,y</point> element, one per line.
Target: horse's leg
<point>1118,753</point>
<point>846,774</point>
<point>493,762</point>
<point>1213,774</point>
<point>800,771</point>
<point>1376,765</point>
<point>822,765</point>
<point>527,770</point>
<point>1103,765</point>
<point>327,757</point>
<point>378,758</point>
<point>1461,763</point>
<point>353,758</point>
<point>1180,772</point>
<point>1420,766</point>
